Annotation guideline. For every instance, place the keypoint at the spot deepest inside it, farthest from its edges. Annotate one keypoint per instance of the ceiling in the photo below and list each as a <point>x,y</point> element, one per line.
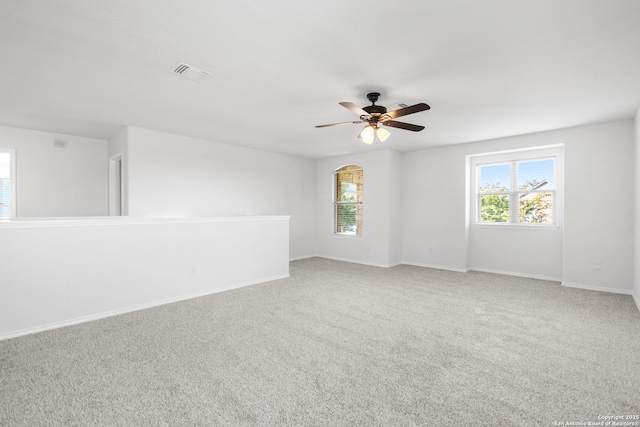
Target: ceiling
<point>488,69</point>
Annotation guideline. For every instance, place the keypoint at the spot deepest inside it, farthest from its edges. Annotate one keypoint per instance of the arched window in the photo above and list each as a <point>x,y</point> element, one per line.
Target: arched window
<point>347,200</point>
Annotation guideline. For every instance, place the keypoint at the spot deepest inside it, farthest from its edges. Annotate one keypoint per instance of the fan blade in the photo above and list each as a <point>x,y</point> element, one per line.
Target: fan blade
<point>353,107</point>
<point>339,124</point>
<point>401,125</point>
<point>408,110</point>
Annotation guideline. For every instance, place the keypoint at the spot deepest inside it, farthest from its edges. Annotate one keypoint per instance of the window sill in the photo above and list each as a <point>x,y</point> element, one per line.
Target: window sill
<point>505,226</point>
<point>346,236</point>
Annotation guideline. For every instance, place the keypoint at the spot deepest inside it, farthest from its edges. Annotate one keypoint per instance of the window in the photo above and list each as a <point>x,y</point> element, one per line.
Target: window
<point>348,201</point>
<point>516,188</point>
<point>7,186</point>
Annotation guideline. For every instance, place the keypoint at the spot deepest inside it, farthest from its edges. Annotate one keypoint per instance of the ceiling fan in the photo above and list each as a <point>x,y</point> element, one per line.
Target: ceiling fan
<point>375,115</point>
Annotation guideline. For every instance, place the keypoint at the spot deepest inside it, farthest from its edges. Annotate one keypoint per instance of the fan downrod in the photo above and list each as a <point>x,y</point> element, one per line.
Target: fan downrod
<point>373,97</point>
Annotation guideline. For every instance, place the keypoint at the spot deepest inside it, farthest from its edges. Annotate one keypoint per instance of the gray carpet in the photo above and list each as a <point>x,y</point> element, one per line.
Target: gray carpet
<point>339,344</point>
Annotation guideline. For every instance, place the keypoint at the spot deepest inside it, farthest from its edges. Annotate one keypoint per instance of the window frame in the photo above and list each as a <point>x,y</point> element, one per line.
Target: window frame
<point>337,203</point>
<point>513,157</point>
<point>12,177</point>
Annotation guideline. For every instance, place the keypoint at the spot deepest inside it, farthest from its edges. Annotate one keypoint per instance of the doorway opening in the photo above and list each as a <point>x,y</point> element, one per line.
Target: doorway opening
<point>116,190</point>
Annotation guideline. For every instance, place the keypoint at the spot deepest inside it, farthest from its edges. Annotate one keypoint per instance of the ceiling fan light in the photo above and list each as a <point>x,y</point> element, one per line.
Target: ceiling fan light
<point>382,134</point>
<point>368,134</point>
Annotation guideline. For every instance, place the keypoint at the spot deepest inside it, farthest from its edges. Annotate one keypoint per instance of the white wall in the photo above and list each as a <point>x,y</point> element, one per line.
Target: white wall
<point>69,181</point>
<point>177,176</point>
<point>636,257</point>
<point>382,220</point>
<point>599,204</point>
<point>395,208</point>
<point>434,208</point>
<point>597,216</point>
<point>61,272</point>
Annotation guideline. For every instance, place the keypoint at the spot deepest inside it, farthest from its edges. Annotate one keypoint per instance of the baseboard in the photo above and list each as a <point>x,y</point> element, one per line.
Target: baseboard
<point>302,257</point>
<point>598,288</point>
<point>636,299</point>
<point>355,261</point>
<point>437,267</point>
<point>511,273</point>
<point>133,308</point>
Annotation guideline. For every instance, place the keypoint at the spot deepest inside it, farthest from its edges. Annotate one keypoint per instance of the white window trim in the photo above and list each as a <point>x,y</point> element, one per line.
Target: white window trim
<point>12,176</point>
<point>519,155</point>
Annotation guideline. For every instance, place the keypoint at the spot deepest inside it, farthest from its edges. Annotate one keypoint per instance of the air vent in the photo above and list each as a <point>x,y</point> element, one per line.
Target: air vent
<point>190,72</point>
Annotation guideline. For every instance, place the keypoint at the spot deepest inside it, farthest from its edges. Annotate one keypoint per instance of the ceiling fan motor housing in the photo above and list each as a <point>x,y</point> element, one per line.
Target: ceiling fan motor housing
<point>373,109</point>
